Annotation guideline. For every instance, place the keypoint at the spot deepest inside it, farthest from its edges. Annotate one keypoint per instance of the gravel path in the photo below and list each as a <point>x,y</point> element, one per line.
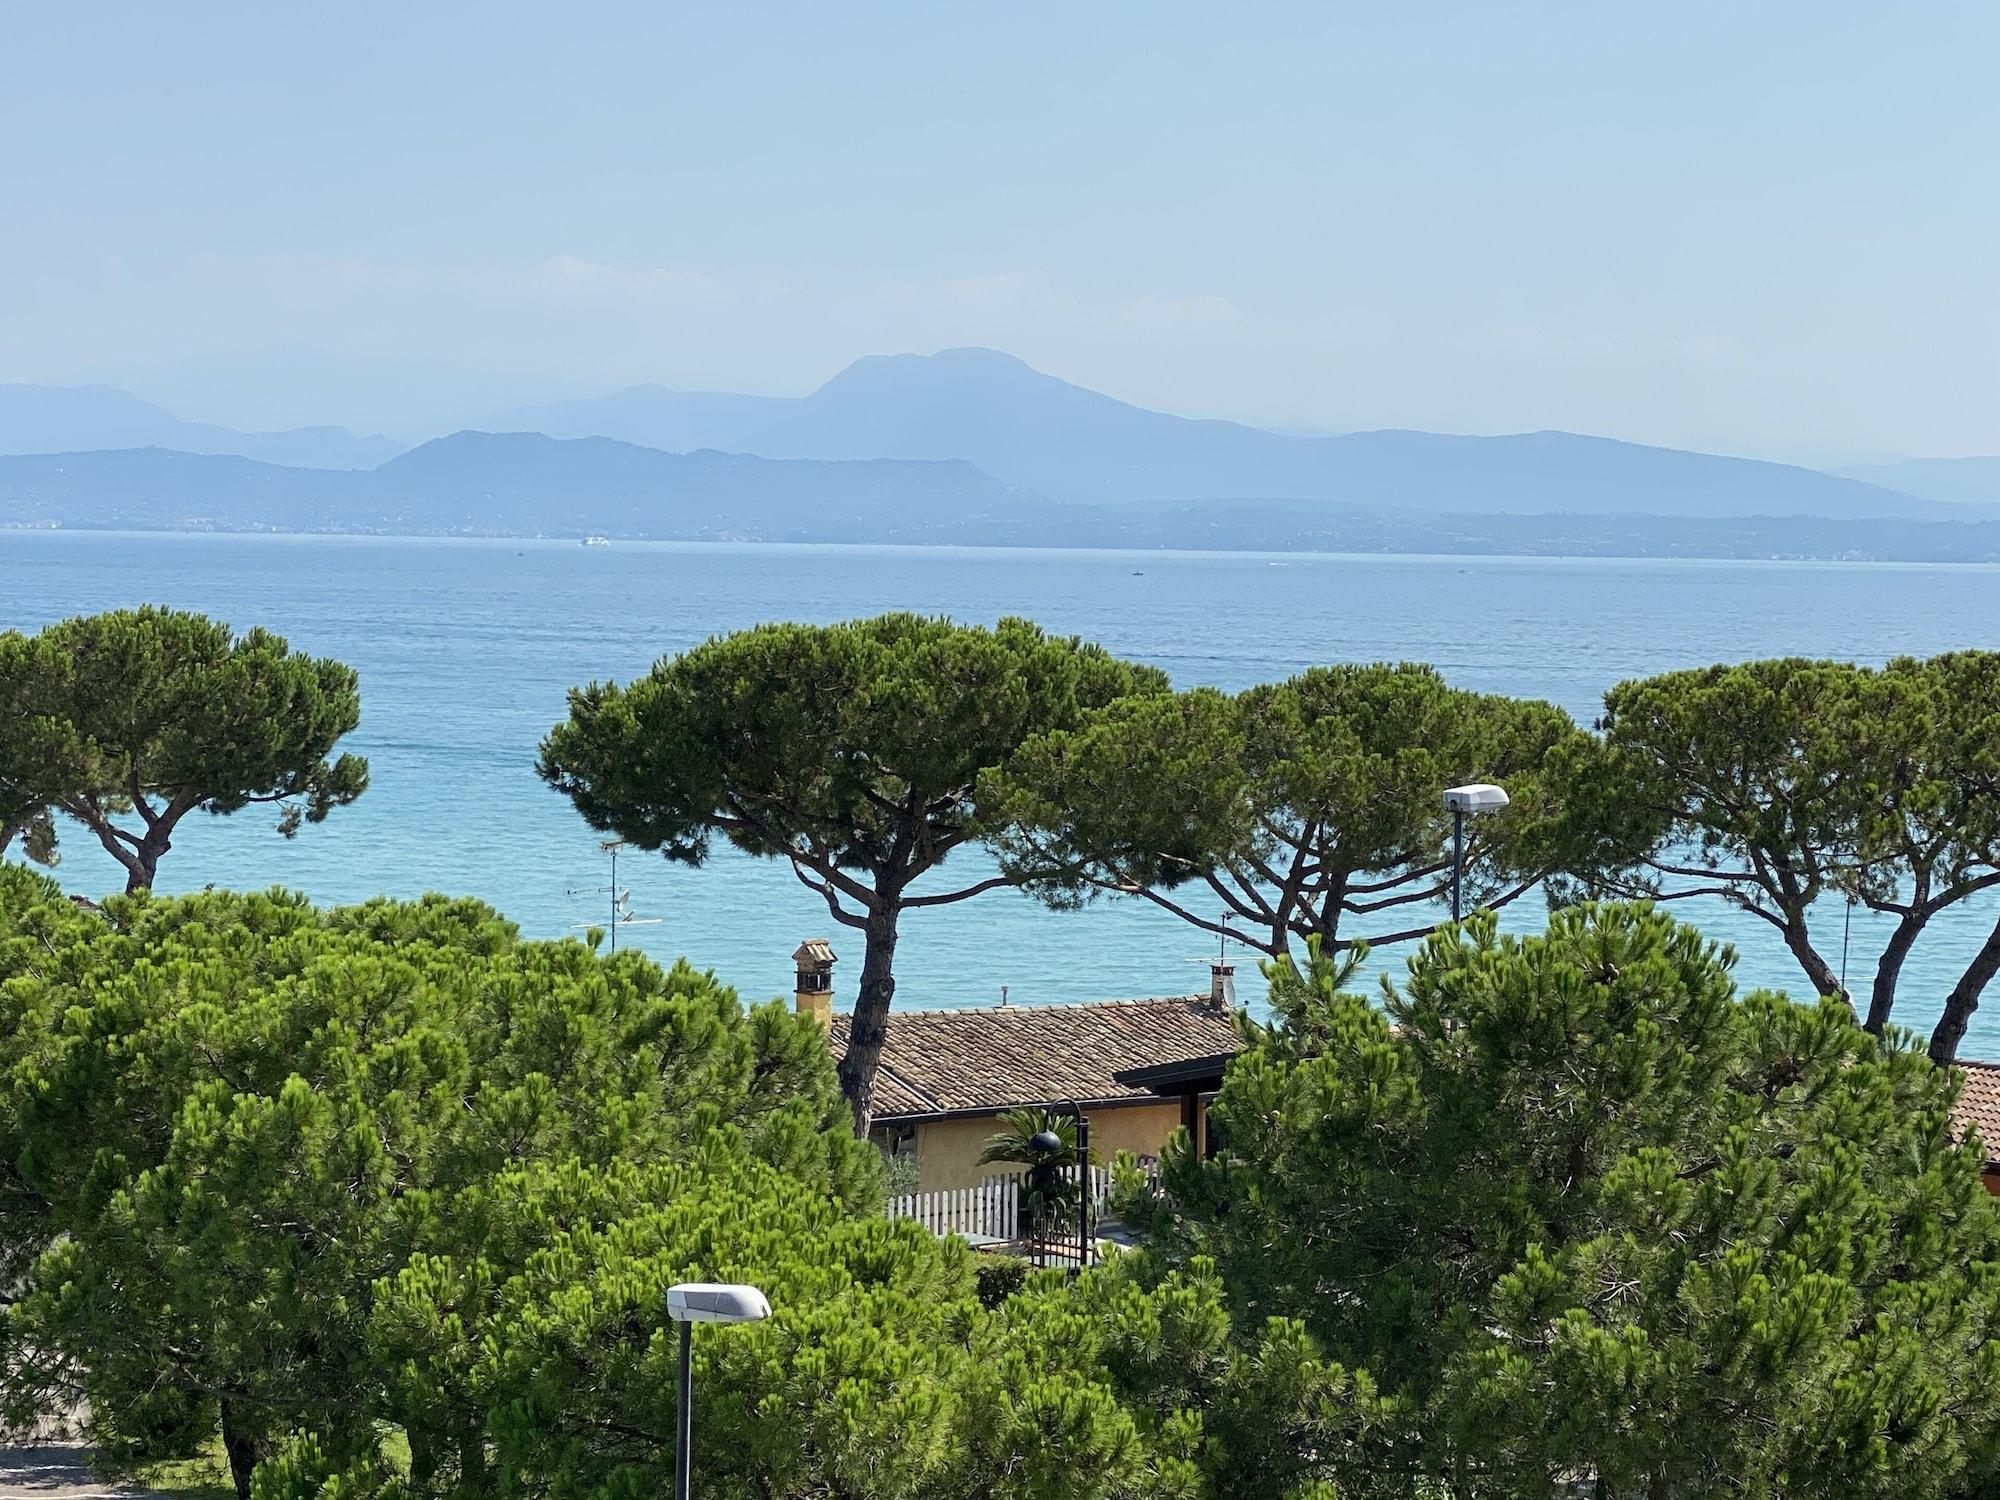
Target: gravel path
<point>56,1472</point>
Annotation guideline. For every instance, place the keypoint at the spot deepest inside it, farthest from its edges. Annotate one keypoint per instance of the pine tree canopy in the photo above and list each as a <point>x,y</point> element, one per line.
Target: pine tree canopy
<point>1792,787</point>
<point>853,751</point>
<point>1305,809</point>
<point>1584,1213</point>
<point>128,721</point>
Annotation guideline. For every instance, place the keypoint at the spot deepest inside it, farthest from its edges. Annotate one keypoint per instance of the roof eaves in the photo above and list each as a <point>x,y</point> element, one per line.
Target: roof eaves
<point>1183,1070</point>
<point>993,1111</point>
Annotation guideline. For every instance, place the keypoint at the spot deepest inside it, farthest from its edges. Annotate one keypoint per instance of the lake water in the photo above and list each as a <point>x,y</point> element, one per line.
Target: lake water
<point>466,648</point>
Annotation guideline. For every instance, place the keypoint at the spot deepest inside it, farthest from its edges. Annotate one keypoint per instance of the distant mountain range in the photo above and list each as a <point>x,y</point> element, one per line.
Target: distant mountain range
<point>1068,443</point>
<point>1956,481</point>
<point>62,419</point>
<point>486,483</point>
<point>966,446</point>
<point>525,484</point>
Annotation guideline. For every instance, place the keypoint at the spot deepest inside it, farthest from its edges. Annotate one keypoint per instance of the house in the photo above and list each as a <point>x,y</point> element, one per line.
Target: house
<point>947,1076</point>
<point>1979,1105</point>
<point>1140,1069</point>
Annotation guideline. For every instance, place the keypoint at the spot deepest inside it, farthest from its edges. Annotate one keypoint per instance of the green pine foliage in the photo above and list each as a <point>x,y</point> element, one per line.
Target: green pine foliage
<point>1586,1215</point>
<point>1310,809</point>
<point>853,752</point>
<point>229,1121</point>
<point>1791,787</point>
<point>390,1199</point>
<point>385,1200</point>
<point>128,721</point>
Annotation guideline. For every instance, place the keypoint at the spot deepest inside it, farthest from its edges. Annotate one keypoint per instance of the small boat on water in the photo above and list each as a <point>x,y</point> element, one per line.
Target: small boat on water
<point>597,541</point>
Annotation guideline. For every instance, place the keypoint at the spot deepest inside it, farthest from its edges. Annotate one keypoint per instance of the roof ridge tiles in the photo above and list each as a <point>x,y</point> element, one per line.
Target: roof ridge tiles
<point>1043,1006</point>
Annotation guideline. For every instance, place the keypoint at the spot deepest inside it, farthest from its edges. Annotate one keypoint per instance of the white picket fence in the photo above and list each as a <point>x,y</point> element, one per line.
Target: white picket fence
<point>992,1210</point>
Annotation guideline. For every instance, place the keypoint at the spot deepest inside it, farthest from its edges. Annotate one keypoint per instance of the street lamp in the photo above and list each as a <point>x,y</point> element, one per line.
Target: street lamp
<point>1043,1173</point>
<point>1464,802</point>
<point>1050,1145</point>
<point>689,1303</point>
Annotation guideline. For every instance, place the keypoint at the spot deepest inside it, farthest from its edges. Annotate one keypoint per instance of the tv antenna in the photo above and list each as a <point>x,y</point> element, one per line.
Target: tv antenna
<point>1221,972</point>
<point>1223,938</point>
<point>621,897</point>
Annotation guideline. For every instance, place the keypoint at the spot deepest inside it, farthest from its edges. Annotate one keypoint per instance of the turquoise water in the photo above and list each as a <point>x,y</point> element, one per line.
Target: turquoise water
<point>466,647</point>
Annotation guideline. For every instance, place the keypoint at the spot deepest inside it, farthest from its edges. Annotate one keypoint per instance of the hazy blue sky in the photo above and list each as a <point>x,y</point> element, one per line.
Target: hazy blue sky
<point>1769,227</point>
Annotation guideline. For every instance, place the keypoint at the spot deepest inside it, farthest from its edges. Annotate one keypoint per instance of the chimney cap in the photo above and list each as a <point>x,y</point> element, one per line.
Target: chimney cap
<point>814,951</point>
<point>1222,984</point>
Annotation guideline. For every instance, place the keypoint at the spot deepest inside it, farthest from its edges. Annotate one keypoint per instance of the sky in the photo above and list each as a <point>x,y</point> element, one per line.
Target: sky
<point>1770,228</point>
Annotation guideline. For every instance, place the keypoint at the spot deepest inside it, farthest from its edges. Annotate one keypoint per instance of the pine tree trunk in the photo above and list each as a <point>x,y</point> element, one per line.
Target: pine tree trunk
<point>1819,973</point>
<point>473,1478</point>
<point>1964,999</point>
<point>423,1459</point>
<point>869,1026</point>
<point>243,1445</point>
<point>145,864</point>
<point>141,861</point>
<point>1882,996</point>
<point>144,868</point>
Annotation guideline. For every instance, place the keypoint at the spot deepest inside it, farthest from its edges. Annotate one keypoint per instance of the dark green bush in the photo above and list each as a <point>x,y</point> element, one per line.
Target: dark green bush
<point>998,1277</point>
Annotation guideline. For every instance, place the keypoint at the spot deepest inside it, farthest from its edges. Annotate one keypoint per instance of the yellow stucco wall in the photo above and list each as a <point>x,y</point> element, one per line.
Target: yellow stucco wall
<point>948,1150</point>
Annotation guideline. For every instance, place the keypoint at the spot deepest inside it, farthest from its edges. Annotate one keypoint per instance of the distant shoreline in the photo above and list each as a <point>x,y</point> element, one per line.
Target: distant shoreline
<point>1913,554</point>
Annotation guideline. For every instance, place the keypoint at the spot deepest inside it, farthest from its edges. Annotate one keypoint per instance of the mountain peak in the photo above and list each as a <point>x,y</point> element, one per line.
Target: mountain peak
<point>979,357</point>
<point>953,365</point>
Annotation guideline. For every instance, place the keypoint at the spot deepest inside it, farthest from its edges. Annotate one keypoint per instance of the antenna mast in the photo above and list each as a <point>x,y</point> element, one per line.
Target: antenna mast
<point>621,898</point>
<point>611,847</point>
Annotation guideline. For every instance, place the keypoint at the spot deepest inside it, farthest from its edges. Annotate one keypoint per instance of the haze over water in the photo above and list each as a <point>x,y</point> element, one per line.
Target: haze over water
<point>466,648</point>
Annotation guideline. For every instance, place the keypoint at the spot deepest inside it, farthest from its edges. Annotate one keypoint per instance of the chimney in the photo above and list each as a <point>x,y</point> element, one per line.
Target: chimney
<point>814,994</point>
<point>1222,985</point>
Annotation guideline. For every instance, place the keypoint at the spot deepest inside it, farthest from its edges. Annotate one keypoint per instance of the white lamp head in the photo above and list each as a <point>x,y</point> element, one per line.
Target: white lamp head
<point>716,1302</point>
<point>1475,798</point>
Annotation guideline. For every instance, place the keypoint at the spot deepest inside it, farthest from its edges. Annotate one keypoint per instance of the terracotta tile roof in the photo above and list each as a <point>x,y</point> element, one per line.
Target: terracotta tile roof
<point>1979,1103</point>
<point>1002,1057</point>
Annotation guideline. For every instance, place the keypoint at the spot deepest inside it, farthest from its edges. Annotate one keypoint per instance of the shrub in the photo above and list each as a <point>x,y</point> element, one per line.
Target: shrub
<point>998,1277</point>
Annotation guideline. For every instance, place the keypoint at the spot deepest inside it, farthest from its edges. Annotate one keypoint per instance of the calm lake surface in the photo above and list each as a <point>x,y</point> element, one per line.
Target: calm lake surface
<point>467,647</point>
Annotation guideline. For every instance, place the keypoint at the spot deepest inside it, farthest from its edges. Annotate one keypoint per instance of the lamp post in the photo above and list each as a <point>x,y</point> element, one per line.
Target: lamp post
<point>689,1303</point>
<point>1049,1143</point>
<point>1462,802</point>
